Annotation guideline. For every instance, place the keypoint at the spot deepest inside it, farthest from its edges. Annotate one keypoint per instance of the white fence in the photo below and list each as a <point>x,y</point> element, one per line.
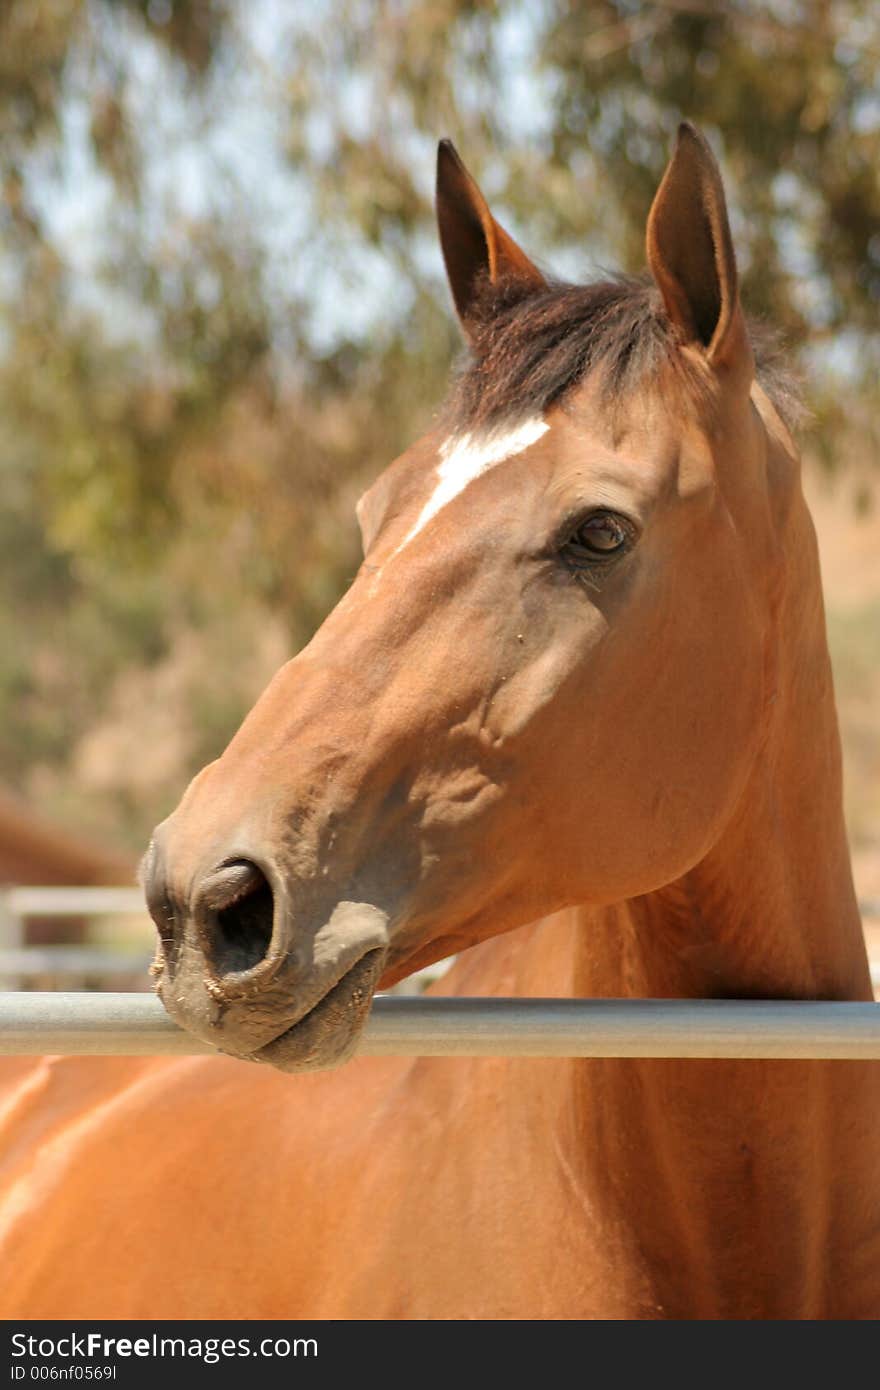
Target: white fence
<point>23,965</point>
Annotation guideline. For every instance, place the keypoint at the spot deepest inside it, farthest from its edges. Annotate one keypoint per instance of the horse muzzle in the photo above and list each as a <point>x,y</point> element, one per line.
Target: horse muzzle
<point>241,970</point>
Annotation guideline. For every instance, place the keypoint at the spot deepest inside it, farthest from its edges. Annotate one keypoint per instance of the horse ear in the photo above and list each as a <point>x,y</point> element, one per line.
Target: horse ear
<point>475,247</point>
<point>690,249</point>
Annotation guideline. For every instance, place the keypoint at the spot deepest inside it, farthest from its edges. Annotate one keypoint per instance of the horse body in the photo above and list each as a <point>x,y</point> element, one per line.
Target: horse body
<point>575,714</point>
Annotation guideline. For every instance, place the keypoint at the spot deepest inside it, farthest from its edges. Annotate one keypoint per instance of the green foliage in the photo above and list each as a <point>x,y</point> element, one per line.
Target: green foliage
<point>222,308</point>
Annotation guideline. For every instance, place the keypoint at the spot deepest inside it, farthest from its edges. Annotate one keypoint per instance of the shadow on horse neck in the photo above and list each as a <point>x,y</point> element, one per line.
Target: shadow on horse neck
<point>576,714</point>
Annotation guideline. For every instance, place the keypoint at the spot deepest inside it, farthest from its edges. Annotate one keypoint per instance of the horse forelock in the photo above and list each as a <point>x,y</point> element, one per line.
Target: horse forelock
<point>530,351</point>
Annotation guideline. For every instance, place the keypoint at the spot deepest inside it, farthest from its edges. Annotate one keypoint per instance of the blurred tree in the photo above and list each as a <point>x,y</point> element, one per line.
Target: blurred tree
<point>222,307</point>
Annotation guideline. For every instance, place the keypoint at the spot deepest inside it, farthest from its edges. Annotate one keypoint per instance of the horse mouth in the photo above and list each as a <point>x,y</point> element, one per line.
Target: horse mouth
<point>328,1034</point>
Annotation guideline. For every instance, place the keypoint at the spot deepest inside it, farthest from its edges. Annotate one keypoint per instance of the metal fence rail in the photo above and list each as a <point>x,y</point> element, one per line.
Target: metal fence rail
<point>33,1024</point>
<point>72,901</point>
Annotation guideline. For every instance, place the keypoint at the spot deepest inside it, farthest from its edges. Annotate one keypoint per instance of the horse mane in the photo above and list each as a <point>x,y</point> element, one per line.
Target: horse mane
<point>529,352</point>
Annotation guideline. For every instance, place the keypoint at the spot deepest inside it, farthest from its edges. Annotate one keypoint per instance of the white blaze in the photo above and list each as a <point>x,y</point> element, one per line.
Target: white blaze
<point>465,458</point>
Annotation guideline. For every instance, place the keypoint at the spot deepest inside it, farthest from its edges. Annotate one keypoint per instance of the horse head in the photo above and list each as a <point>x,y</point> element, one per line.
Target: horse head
<point>545,685</point>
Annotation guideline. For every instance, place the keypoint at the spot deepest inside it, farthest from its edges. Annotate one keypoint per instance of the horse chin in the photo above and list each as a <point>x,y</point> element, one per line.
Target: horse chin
<point>405,961</point>
<point>329,1033</point>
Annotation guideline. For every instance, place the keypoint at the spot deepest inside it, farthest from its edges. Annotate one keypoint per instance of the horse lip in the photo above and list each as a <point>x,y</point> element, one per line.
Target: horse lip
<point>310,1012</point>
<point>352,993</point>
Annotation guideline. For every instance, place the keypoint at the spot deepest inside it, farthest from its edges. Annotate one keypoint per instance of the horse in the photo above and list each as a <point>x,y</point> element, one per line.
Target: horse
<point>573,724</point>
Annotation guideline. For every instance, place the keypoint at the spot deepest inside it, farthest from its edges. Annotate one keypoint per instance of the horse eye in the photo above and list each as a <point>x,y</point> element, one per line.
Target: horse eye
<point>601,534</point>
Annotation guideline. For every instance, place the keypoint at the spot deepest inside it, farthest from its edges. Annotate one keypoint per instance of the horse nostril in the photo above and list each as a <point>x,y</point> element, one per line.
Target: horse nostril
<point>236,912</point>
<point>230,883</point>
